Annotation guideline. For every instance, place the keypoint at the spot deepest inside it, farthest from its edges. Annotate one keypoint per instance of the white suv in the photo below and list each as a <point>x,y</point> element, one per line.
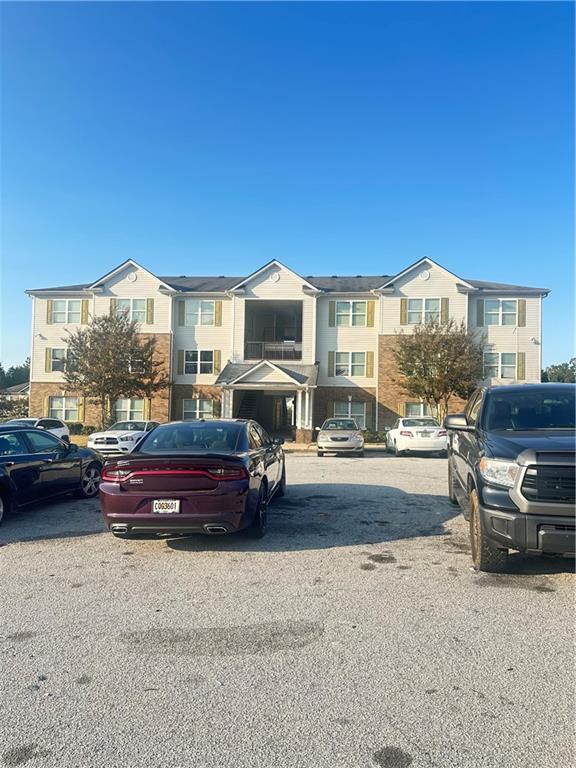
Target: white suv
<point>55,426</point>
<point>121,437</point>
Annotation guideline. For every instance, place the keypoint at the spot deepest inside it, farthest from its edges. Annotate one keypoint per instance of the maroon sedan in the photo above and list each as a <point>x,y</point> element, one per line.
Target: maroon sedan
<point>210,477</point>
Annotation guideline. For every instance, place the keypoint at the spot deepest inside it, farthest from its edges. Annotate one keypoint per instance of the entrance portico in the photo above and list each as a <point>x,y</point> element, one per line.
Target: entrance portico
<point>280,397</point>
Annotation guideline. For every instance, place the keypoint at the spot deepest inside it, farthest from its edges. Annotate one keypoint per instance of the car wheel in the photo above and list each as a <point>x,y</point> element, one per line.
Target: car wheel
<point>281,487</point>
<point>90,481</point>
<point>396,451</point>
<point>451,495</point>
<point>319,453</point>
<point>485,556</point>
<point>360,454</point>
<point>257,527</point>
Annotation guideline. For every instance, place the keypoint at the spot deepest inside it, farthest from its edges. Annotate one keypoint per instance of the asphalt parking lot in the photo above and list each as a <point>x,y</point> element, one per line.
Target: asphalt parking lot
<point>354,635</point>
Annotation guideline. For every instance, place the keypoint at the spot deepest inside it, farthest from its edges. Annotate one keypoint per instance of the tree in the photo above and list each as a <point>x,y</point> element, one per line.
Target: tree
<point>16,374</point>
<point>564,372</point>
<point>13,409</point>
<point>439,361</point>
<point>109,359</point>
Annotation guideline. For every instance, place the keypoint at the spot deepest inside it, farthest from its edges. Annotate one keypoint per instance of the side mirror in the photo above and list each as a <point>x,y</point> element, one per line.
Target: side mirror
<point>72,448</point>
<point>278,441</point>
<point>459,422</point>
<point>317,429</point>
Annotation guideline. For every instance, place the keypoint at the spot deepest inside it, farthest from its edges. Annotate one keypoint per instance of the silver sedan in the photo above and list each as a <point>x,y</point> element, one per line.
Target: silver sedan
<point>340,436</point>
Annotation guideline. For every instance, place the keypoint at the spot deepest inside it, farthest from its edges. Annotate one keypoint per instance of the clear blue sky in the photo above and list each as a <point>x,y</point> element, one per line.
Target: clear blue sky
<point>339,138</point>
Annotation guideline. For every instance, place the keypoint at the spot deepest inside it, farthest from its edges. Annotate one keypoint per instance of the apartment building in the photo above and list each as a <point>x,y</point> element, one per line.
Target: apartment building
<point>286,349</point>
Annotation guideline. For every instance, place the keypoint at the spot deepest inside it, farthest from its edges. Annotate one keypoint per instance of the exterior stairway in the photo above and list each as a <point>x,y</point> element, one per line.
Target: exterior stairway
<point>249,406</point>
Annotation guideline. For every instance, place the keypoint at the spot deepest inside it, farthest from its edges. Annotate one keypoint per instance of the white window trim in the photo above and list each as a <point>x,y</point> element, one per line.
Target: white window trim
<point>351,303</point>
<point>196,411</point>
<point>349,365</point>
<point>500,364</point>
<point>131,311</point>
<point>350,415</point>
<point>501,313</point>
<point>423,300</point>
<point>421,415</point>
<point>67,321</point>
<point>200,324</point>
<point>64,399</point>
<point>53,359</point>
<point>199,352</point>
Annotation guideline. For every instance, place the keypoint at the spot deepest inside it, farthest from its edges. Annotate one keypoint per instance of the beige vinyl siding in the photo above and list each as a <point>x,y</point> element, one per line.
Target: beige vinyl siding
<point>287,288</point>
<point>345,339</point>
<point>509,338</point>
<point>202,337</point>
<point>145,286</point>
<point>47,336</point>
<point>439,285</point>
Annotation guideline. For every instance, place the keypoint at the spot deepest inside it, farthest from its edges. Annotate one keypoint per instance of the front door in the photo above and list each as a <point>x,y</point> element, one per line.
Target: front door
<point>60,467</point>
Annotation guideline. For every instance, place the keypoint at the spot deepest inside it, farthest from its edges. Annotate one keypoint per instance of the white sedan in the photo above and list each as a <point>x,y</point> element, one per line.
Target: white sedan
<point>121,437</point>
<point>412,435</point>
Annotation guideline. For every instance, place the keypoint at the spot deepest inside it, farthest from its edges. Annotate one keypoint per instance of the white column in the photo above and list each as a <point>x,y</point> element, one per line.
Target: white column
<point>307,411</point>
<point>299,409</point>
<point>311,417</point>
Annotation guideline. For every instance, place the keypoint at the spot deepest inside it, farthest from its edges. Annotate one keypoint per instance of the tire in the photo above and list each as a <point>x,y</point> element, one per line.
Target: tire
<point>485,556</point>
<point>90,481</point>
<point>319,453</point>
<point>257,528</point>
<point>4,505</point>
<point>281,488</point>
<point>396,451</point>
<point>451,495</point>
<point>360,454</point>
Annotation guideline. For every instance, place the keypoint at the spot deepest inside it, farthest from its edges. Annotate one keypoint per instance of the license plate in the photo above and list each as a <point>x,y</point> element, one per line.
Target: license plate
<point>166,506</point>
<point>425,434</point>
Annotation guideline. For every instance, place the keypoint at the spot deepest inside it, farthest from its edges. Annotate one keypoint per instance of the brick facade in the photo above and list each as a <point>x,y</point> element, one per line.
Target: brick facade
<point>182,392</point>
<point>391,394</point>
<point>324,398</point>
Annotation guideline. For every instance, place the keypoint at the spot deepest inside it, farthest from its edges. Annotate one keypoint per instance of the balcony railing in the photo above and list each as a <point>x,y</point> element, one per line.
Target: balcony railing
<point>273,350</point>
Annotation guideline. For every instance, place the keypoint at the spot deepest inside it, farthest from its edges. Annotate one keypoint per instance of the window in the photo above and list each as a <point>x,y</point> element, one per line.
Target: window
<point>198,312</point>
<point>43,443</point>
<point>500,311</point>
<point>499,365</point>
<point>134,308</point>
<point>350,313</point>
<point>197,409</point>
<point>58,360</point>
<point>418,410</point>
<point>350,364</point>
<point>66,310</point>
<point>63,408</point>
<point>356,411</point>
<point>12,444</point>
<point>254,438</point>
<point>430,308</point>
<point>129,409</point>
<point>196,435</point>
<point>264,436</point>
<point>199,361</point>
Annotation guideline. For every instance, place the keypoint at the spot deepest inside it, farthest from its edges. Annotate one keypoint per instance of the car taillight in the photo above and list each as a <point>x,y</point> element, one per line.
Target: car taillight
<point>114,475</point>
<point>406,433</point>
<point>227,473</point>
<point>442,433</point>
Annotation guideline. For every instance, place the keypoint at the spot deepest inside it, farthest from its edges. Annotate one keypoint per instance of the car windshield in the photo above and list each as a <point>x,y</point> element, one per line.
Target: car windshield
<point>128,426</point>
<point>191,437</point>
<point>420,423</point>
<point>541,408</point>
<point>339,424</point>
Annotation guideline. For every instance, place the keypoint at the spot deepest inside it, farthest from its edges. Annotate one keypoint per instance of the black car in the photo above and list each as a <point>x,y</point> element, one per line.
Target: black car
<point>35,465</point>
<point>511,458</point>
<point>212,477</point>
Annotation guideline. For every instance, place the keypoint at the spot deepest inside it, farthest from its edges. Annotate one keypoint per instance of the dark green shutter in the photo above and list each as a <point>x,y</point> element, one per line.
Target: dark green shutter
<point>331,364</point>
<point>332,314</point>
<point>479,313</point>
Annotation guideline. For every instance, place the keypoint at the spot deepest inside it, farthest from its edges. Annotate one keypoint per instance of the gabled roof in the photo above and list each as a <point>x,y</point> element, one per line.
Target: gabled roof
<point>279,265</point>
<point>16,389</point>
<point>233,373</point>
<point>125,265</point>
<point>420,263</point>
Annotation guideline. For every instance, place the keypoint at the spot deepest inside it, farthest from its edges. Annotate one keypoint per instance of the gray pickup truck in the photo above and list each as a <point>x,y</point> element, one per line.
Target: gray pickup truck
<point>511,459</point>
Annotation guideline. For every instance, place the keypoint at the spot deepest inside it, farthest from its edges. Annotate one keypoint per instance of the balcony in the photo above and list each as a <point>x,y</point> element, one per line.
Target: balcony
<point>272,350</point>
<point>273,330</point>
